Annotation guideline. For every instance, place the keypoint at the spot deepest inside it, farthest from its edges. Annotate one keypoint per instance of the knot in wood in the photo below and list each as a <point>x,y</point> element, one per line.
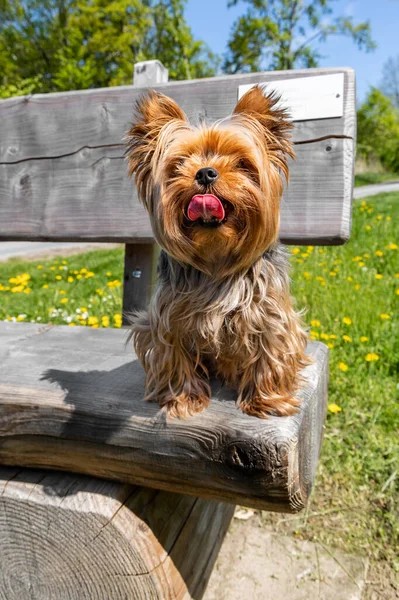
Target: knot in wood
<point>245,457</point>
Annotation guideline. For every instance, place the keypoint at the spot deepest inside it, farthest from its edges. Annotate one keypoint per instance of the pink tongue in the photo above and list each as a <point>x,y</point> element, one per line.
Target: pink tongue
<point>205,206</point>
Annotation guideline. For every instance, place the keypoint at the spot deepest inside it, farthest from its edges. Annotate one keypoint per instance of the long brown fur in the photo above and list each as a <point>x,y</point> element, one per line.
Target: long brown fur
<point>222,304</point>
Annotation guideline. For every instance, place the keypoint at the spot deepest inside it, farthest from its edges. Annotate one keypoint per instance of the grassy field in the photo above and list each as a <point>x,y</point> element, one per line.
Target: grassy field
<point>369,178</point>
<point>351,294</point>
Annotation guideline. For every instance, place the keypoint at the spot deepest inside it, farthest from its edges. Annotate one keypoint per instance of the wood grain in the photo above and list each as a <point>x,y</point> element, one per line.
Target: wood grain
<point>99,204</point>
<point>61,163</point>
<point>72,399</point>
<point>66,536</point>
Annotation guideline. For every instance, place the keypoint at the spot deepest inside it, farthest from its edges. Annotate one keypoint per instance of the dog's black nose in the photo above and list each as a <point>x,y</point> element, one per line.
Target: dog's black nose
<point>206,176</point>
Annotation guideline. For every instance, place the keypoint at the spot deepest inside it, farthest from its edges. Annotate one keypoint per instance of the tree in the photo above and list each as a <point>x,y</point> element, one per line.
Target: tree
<point>52,45</point>
<point>390,79</point>
<point>378,130</point>
<point>282,34</point>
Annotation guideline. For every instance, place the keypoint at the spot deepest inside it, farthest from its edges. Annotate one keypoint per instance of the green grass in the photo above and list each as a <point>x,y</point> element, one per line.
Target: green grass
<point>351,296</point>
<point>77,290</point>
<point>368,178</point>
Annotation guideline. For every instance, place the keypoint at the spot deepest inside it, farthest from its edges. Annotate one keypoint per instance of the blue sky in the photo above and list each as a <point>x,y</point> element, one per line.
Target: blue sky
<point>211,21</point>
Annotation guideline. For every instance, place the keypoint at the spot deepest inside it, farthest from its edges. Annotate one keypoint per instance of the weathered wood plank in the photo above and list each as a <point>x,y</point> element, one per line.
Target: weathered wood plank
<point>71,399</point>
<point>70,537</point>
<point>100,203</point>
<point>138,275</point>
<point>61,162</point>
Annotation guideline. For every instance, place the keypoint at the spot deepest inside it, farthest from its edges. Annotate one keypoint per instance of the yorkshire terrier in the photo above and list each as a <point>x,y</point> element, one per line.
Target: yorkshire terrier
<point>222,305</point>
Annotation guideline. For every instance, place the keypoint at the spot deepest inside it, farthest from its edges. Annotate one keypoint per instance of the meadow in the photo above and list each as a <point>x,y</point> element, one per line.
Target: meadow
<point>351,295</point>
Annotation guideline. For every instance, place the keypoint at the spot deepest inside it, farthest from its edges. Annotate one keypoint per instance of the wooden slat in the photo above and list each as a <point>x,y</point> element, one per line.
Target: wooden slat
<point>99,203</point>
<point>61,162</point>
<point>69,537</point>
<point>72,399</point>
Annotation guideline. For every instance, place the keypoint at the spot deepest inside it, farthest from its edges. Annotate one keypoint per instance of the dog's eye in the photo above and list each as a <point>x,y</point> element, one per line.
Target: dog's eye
<point>249,169</point>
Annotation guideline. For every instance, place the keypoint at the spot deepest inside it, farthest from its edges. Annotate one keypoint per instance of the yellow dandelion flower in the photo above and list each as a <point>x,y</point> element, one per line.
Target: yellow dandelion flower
<point>330,345</point>
<point>347,321</point>
<point>72,324</point>
<point>334,408</point>
<point>367,228</point>
<point>347,338</point>
<point>371,357</point>
<point>64,300</point>
<point>304,254</point>
<point>89,274</point>
<point>95,326</point>
<point>92,320</point>
<point>349,278</point>
<point>100,292</point>
<point>357,286</point>
<point>75,272</point>
<point>299,260</point>
<point>319,278</point>
<point>114,284</point>
<point>307,275</point>
<point>357,258</point>
<point>333,336</point>
<point>342,366</point>
<point>324,336</point>
<point>387,218</point>
<point>384,316</point>
<point>364,339</point>
<point>17,288</point>
<point>27,290</point>
<point>83,271</point>
<point>62,292</point>
<point>105,321</point>
<point>379,276</point>
<point>64,262</point>
<point>315,323</point>
<point>397,292</point>
<point>59,277</point>
<point>52,268</point>
<point>39,267</point>
<point>314,335</point>
<point>378,253</point>
<point>392,246</point>
<point>45,286</point>
<point>108,273</point>
<point>361,264</point>
<point>366,255</point>
<point>79,276</point>
<point>396,275</point>
<point>83,309</point>
<point>21,318</point>
<point>293,251</point>
<point>70,279</point>
<point>332,274</point>
<point>379,217</point>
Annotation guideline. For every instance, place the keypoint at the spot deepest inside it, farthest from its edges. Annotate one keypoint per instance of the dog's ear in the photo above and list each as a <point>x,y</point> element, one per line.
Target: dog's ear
<point>153,112</point>
<point>262,108</point>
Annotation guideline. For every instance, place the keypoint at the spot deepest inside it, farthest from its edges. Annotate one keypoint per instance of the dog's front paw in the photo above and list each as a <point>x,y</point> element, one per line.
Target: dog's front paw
<point>183,406</point>
<point>264,407</point>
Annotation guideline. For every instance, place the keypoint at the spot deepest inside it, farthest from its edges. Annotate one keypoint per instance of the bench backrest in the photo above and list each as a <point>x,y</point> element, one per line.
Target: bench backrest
<point>63,173</point>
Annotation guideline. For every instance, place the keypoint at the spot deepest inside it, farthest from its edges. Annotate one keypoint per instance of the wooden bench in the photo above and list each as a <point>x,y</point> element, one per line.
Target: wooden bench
<point>71,398</point>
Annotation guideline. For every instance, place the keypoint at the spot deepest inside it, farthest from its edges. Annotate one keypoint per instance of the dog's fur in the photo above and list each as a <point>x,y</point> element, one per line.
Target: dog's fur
<point>222,304</point>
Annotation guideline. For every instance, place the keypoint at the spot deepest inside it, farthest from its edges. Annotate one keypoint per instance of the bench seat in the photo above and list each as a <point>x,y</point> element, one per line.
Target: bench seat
<point>71,398</point>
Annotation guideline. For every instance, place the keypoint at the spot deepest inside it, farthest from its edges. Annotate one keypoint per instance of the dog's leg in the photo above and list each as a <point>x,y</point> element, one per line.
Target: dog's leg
<point>269,384</point>
<point>174,378</point>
